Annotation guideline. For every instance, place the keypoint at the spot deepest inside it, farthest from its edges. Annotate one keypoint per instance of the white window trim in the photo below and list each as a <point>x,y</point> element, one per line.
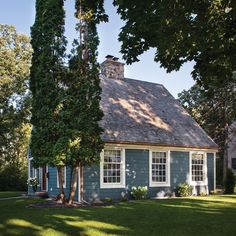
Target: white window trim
<point>205,180</point>
<point>64,185</point>
<point>34,170</point>
<point>159,184</point>
<point>214,171</point>
<point>113,185</point>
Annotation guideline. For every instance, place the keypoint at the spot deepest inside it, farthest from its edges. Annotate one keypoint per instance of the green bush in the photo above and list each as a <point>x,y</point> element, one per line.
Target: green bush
<point>229,182</point>
<point>184,190</point>
<point>108,199</point>
<point>12,178</point>
<point>139,192</point>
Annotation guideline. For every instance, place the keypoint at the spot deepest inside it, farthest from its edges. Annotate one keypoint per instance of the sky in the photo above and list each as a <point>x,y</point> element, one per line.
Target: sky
<point>21,14</point>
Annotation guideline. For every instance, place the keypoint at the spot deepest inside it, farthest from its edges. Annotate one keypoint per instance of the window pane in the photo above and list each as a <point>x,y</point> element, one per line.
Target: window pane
<point>112,163</point>
<point>159,162</point>
<point>197,167</point>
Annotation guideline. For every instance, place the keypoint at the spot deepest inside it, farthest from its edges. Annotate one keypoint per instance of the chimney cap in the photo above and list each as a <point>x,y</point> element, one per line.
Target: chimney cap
<point>115,58</point>
<point>109,57</point>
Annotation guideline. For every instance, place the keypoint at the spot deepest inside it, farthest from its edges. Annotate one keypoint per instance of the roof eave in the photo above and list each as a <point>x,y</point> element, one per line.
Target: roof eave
<point>144,144</point>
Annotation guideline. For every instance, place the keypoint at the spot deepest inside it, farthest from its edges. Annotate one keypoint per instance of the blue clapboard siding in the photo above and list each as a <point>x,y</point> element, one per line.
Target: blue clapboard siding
<point>137,174</point>
<point>53,190</point>
<point>210,171</point>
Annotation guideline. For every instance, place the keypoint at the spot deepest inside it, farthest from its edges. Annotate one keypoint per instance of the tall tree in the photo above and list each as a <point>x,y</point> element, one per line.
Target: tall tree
<point>47,74</point>
<point>15,54</point>
<point>83,93</point>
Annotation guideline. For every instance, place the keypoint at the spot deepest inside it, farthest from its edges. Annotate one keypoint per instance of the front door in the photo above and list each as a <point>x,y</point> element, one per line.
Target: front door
<point>44,178</point>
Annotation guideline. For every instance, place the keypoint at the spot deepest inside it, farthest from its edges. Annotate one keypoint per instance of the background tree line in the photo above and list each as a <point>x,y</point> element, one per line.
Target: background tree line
<point>15,127</point>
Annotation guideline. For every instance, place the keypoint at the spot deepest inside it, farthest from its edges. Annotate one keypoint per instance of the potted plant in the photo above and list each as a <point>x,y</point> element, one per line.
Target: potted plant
<point>34,183</point>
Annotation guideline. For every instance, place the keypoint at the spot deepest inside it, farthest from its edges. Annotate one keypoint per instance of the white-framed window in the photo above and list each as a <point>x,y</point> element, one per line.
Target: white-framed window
<point>112,168</point>
<point>198,168</point>
<point>159,168</point>
<point>63,177</point>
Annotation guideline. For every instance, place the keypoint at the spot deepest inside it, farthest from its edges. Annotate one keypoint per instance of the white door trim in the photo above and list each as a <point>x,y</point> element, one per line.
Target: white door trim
<point>79,200</point>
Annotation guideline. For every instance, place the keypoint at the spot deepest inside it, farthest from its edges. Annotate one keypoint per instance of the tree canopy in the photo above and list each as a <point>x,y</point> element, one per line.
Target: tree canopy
<point>180,31</point>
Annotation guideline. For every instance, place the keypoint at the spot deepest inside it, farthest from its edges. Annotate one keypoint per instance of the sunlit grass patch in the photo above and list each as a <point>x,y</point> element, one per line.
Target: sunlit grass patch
<point>211,215</point>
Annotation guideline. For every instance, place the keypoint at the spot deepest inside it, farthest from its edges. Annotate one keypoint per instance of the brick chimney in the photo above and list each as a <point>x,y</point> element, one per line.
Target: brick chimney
<point>112,68</point>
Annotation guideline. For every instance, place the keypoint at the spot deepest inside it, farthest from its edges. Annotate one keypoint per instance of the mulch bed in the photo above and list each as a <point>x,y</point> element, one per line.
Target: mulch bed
<point>52,203</point>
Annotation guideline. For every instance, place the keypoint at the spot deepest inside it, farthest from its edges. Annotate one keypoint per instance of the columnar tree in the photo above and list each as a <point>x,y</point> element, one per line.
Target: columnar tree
<point>82,111</point>
<point>47,74</point>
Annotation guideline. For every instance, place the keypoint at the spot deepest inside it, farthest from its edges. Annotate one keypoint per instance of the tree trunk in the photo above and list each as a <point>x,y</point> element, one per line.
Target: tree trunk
<point>73,184</point>
<point>61,196</point>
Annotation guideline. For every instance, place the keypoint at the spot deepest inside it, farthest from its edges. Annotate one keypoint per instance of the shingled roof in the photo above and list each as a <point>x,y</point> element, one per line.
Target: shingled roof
<point>139,112</point>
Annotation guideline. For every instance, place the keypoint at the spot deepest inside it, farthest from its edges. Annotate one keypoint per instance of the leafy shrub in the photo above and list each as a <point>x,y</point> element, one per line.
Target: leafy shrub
<point>229,182</point>
<point>213,192</point>
<point>184,190</point>
<point>139,192</point>
<point>108,199</point>
<point>13,178</point>
<point>203,194</point>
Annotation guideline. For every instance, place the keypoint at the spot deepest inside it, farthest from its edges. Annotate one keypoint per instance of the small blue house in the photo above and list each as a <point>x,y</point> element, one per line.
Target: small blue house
<point>150,140</point>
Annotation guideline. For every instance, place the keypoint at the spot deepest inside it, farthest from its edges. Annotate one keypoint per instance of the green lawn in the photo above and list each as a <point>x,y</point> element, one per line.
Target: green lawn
<point>10,194</point>
<point>215,215</point>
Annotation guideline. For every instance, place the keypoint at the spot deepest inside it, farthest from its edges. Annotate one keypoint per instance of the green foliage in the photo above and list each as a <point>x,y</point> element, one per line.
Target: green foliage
<point>82,111</point>
<point>13,178</point>
<point>203,194</point>
<point>184,190</point>
<point>181,31</point>
<point>83,89</point>
<point>230,182</point>
<point>139,192</point>
<point>15,54</point>
<point>46,82</point>
<point>108,199</point>
<point>212,113</point>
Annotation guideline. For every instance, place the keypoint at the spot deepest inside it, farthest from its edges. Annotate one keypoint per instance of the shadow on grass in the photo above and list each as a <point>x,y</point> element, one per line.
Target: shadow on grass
<point>150,217</point>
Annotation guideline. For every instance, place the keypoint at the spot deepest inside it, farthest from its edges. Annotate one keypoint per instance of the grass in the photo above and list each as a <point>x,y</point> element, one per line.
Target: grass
<point>214,215</point>
<point>7,194</point>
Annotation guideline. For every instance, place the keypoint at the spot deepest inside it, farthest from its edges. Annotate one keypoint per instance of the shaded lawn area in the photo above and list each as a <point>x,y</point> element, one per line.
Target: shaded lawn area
<point>6,194</point>
<point>214,215</point>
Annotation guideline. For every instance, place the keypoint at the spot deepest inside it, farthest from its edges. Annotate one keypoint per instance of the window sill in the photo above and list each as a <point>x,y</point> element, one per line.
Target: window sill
<point>202,183</point>
<point>112,186</point>
<point>159,184</point>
